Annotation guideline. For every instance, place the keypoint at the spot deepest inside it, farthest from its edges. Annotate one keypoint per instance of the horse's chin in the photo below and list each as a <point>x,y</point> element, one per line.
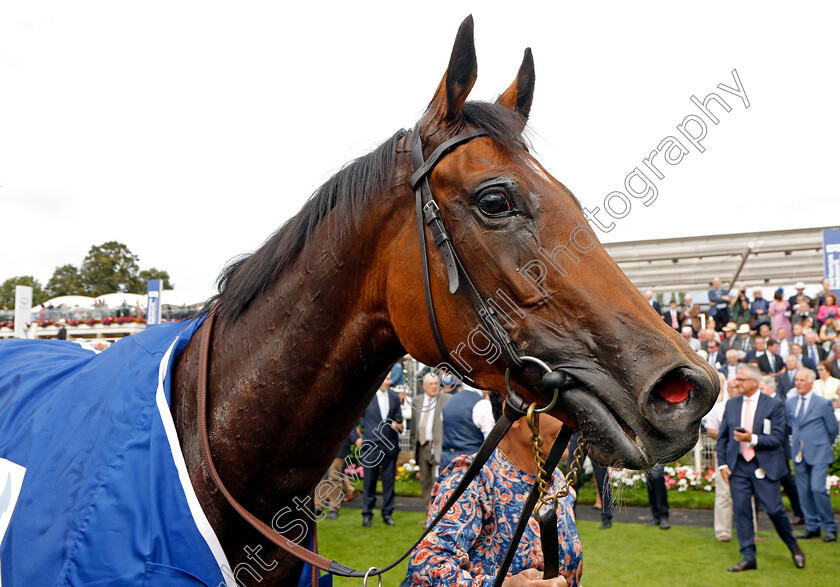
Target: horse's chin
<point>611,442</point>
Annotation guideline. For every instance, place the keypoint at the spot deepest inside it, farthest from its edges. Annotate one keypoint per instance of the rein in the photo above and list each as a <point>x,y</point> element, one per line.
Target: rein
<point>515,407</point>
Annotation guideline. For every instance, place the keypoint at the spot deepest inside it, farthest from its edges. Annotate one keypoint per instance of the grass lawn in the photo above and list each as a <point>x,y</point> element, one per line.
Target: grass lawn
<point>628,554</point>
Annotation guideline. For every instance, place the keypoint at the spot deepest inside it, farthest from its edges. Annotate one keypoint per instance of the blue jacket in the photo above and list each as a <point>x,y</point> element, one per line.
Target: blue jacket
<point>91,468</point>
<point>815,431</point>
<point>769,424</point>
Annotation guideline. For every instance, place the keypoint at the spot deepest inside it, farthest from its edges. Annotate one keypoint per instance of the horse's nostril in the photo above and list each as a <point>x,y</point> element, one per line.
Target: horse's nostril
<point>673,389</point>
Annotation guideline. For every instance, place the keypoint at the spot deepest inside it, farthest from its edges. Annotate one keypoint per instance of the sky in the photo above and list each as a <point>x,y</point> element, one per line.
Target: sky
<point>190,131</point>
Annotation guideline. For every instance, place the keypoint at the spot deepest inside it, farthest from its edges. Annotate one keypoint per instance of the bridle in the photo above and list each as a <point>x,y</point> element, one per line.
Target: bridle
<point>515,406</point>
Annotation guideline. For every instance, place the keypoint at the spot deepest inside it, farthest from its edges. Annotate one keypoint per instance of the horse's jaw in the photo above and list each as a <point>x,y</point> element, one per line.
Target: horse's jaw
<point>660,426</point>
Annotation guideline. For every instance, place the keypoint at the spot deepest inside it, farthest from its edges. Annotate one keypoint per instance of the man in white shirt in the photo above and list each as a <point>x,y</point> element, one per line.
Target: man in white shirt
<point>730,369</point>
<point>427,432</point>
<point>688,335</point>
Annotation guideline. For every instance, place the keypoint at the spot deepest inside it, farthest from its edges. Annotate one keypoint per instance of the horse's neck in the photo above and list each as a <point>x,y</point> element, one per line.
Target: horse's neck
<point>291,375</point>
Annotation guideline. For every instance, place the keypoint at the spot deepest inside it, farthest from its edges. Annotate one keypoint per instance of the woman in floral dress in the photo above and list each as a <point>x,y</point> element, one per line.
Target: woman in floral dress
<point>468,545</point>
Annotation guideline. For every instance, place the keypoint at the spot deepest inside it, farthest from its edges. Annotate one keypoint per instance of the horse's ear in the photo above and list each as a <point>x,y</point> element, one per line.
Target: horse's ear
<point>458,80</point>
<point>520,94</point>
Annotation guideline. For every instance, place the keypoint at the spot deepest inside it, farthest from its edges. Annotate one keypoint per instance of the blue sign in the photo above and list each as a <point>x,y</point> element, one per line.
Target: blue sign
<point>153,289</point>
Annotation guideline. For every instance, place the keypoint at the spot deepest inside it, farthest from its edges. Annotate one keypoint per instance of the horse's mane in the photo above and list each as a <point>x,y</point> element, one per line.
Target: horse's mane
<point>348,192</point>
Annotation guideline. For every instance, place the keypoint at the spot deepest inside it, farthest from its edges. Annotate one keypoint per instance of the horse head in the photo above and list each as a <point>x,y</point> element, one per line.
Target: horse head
<point>638,391</point>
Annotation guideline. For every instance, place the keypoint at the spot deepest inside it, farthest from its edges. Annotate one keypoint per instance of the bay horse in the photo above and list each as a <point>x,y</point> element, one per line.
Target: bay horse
<point>307,327</point>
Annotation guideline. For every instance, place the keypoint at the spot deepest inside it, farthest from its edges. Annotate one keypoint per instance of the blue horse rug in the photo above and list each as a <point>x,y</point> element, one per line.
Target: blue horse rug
<point>93,485</point>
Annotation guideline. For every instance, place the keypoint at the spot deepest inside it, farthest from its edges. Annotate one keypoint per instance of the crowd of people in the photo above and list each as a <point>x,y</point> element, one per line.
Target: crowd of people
<point>779,369</point>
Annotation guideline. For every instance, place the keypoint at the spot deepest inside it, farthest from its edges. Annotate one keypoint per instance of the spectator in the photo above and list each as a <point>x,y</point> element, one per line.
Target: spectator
<point>719,302</point>
<point>379,447</point>
<point>785,381</point>
<point>771,362</point>
<point>779,312</point>
<point>834,363</point>
<point>657,497</point>
<point>829,308</point>
<point>728,336</point>
<point>723,499</point>
<point>812,349</point>
<point>62,330</point>
<point>758,350</point>
<point>828,331</point>
<point>467,420</point>
<point>730,369</point>
<point>796,351</point>
<point>814,431</point>
<point>759,310</point>
<point>826,291</point>
<point>802,315</point>
<point>332,498</point>
<point>743,344</point>
<point>427,435</point>
<point>601,476</point>
<point>397,374</point>
<point>653,303</point>
<point>826,386</point>
<point>798,335</point>
<point>714,354</point>
<point>672,316</point>
<point>687,336</point>
<point>740,311</point>
<point>468,545</point>
<point>691,314</point>
<point>800,293</point>
<point>784,343</point>
<point>751,458</point>
<point>767,386</point>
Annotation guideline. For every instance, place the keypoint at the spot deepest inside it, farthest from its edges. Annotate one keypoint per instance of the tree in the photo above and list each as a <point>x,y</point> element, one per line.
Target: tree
<point>110,267</point>
<point>65,281</point>
<point>7,290</point>
<point>154,273</point>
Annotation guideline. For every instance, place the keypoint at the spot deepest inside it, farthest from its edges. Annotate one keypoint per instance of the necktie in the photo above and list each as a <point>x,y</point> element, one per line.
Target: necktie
<point>772,364</point>
<point>423,421</point>
<point>814,354</point>
<point>745,344</point>
<point>800,409</point>
<point>674,323</point>
<point>749,451</point>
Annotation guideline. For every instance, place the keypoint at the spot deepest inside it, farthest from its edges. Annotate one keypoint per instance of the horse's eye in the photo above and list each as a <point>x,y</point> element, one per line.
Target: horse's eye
<point>494,204</point>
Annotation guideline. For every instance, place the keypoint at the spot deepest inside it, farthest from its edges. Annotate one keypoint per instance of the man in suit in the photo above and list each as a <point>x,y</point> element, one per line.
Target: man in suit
<point>770,362</point>
<point>379,446</point>
<point>653,303</point>
<point>672,316</point>
<point>767,386</point>
<point>812,349</point>
<point>719,303</point>
<point>785,381</point>
<point>715,356</point>
<point>751,458</point>
<point>804,360</point>
<point>427,434</point>
<point>814,430</point>
<point>757,351</point>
